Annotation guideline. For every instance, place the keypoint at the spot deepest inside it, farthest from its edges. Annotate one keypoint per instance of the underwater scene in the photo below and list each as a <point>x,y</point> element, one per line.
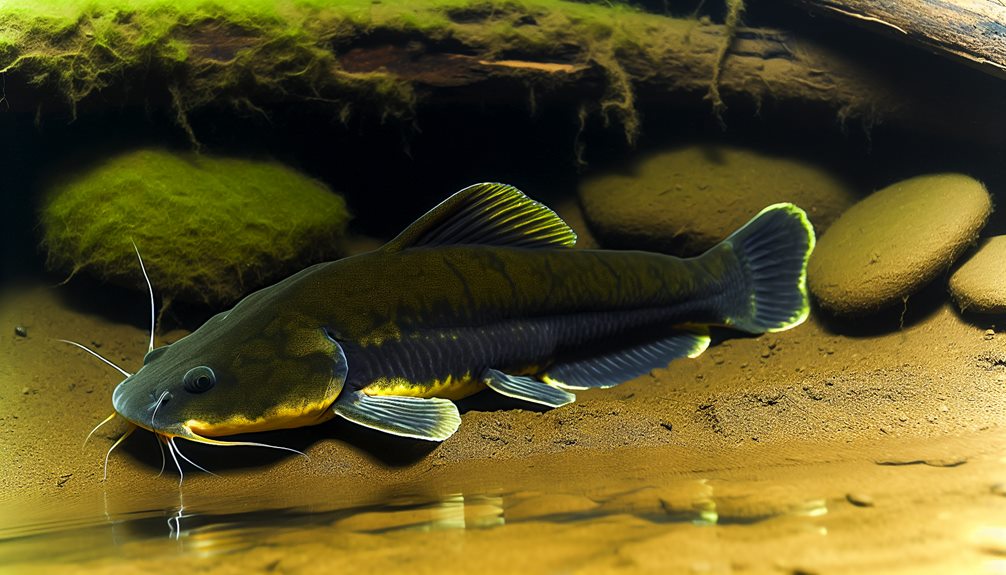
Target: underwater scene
<point>502,286</point>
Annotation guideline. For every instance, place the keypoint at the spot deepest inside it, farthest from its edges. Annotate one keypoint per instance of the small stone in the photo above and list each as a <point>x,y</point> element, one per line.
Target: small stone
<point>979,285</point>
<point>895,241</point>
<point>21,331</point>
<point>859,499</point>
<point>684,200</point>
<point>25,390</point>
<point>990,334</point>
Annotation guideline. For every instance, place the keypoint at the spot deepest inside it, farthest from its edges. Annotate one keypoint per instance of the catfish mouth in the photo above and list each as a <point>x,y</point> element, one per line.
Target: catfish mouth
<point>141,413</point>
<point>125,405</point>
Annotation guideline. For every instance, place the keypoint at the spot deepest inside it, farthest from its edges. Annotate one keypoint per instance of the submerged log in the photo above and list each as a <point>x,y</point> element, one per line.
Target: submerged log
<point>589,57</point>
<point>766,66</point>
<point>973,31</point>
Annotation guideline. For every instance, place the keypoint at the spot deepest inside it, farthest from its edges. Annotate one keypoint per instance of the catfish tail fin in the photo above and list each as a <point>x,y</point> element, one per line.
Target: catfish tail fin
<point>772,250</point>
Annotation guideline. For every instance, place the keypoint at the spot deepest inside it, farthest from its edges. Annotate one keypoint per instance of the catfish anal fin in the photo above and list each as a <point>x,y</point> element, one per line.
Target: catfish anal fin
<point>608,369</point>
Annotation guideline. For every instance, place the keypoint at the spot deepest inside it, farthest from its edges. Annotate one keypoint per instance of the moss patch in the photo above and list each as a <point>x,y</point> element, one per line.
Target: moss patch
<point>210,229</point>
<point>246,52</point>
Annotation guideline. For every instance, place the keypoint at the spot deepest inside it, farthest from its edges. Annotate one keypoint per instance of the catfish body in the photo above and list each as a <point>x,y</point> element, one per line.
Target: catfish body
<point>483,291</point>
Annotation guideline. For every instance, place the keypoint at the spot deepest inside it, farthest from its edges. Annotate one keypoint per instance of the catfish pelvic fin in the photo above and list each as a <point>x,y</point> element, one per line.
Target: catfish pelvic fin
<point>487,214</point>
<point>527,389</point>
<point>431,419</point>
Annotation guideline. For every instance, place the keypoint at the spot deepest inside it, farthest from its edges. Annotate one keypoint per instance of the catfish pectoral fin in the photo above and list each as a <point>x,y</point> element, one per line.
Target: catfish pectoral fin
<point>432,419</point>
<point>526,388</point>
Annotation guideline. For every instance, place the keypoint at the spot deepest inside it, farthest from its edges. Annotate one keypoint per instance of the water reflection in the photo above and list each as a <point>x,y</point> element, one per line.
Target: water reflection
<point>211,528</point>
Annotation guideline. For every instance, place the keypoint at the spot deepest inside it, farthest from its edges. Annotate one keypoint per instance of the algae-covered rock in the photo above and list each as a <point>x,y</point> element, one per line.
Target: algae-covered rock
<point>685,200</point>
<point>895,241</point>
<point>979,285</point>
<point>210,229</point>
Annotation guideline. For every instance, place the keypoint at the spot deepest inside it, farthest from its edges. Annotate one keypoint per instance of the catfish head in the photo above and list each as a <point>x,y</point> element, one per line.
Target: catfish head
<point>245,370</point>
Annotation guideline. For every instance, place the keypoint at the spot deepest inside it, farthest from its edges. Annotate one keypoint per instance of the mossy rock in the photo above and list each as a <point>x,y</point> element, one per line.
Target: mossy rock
<point>979,285</point>
<point>895,241</point>
<point>210,229</point>
<point>684,200</point>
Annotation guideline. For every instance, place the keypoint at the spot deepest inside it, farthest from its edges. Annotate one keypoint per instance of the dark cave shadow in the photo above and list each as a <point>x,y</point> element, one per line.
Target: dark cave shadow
<point>488,400</point>
<point>115,303</point>
<point>919,307</point>
<point>993,321</point>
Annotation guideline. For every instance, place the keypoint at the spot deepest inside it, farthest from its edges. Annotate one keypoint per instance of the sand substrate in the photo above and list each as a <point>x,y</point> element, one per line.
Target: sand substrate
<point>818,452</point>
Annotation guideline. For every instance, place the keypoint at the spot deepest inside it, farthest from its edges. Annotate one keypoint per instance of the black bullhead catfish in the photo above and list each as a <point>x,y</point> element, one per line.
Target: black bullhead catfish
<point>481,292</point>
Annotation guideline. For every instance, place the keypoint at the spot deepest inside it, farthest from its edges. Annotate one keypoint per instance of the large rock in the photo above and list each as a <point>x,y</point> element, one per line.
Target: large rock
<point>979,285</point>
<point>210,229</point>
<point>685,200</point>
<point>895,241</point>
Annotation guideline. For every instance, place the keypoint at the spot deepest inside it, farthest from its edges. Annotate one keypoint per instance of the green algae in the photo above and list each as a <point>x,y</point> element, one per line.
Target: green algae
<point>210,229</point>
<point>248,53</point>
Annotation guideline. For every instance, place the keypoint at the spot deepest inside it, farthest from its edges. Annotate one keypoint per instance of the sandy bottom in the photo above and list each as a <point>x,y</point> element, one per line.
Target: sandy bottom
<point>807,451</point>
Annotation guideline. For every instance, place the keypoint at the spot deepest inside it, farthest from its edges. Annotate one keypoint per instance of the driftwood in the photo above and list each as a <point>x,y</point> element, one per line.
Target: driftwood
<point>668,63</point>
<point>973,31</point>
<point>764,66</point>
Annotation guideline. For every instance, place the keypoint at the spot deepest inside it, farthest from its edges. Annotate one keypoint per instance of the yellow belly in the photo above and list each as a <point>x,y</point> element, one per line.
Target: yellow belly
<point>453,388</point>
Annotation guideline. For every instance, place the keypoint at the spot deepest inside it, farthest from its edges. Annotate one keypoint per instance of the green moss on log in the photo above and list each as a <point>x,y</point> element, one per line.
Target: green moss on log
<point>244,52</point>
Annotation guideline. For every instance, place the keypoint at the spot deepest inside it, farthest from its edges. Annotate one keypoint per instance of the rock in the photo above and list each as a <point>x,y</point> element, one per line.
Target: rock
<point>210,229</point>
<point>684,200</point>
<point>979,285</point>
<point>859,499</point>
<point>895,241</point>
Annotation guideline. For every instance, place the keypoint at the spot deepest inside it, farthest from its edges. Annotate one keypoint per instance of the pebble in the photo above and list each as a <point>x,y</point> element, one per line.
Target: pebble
<point>21,331</point>
<point>979,284</point>
<point>859,499</point>
<point>684,200</point>
<point>894,242</point>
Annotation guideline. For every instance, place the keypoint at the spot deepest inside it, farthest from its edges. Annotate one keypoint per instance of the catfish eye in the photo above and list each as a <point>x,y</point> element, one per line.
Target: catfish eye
<point>199,379</point>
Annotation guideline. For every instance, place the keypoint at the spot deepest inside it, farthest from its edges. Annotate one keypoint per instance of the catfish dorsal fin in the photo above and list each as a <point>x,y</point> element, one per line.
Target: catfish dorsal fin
<point>488,214</point>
